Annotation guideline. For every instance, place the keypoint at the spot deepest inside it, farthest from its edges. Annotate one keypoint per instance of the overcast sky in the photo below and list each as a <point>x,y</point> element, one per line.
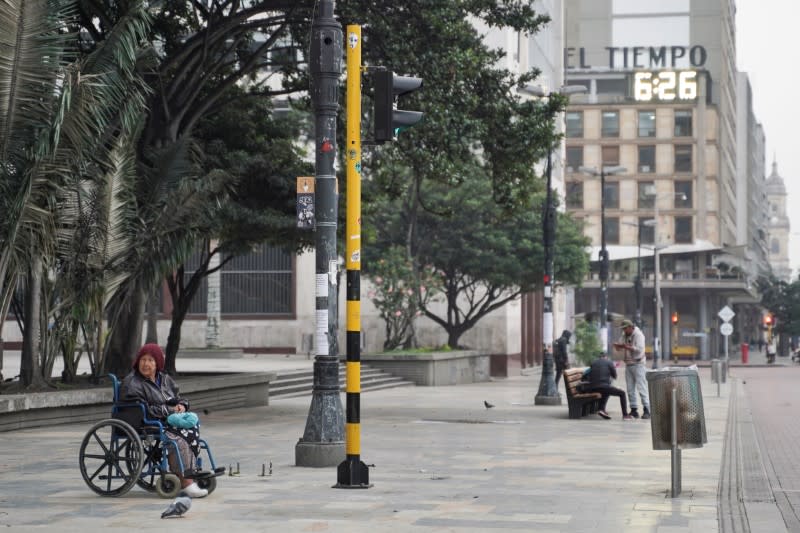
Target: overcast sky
<point>767,49</point>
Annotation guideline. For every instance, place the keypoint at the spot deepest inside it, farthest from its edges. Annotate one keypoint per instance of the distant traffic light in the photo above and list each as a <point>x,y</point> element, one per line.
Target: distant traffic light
<point>675,317</point>
<point>388,120</point>
<point>768,320</point>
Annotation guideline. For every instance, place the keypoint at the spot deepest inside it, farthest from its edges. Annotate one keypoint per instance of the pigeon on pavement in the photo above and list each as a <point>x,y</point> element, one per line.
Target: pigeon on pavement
<point>178,507</point>
<point>487,404</point>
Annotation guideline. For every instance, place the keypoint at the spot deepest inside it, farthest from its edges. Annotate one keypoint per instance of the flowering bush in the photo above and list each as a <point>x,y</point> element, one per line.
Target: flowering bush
<point>398,295</point>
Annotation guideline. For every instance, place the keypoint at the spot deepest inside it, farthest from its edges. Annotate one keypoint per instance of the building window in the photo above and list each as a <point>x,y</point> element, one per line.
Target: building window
<point>260,282</point>
<point>574,124</point>
<point>647,123</point>
<point>610,126</point>
<point>611,193</point>
<point>775,246</point>
<point>683,230</point>
<point>574,158</point>
<point>683,194</point>
<point>610,155</point>
<point>574,194</point>
<point>647,159</point>
<point>683,123</point>
<point>612,230</point>
<point>647,233</point>
<point>645,199</point>
<point>683,158</point>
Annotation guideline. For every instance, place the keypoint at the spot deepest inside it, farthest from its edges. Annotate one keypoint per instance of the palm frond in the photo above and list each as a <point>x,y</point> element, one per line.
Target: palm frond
<point>33,51</point>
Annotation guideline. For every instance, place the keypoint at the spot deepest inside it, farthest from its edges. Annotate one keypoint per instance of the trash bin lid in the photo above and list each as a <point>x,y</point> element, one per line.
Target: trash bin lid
<point>654,375</point>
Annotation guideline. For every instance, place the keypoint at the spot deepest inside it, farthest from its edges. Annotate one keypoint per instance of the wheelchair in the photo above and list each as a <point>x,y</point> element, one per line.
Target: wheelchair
<point>130,449</point>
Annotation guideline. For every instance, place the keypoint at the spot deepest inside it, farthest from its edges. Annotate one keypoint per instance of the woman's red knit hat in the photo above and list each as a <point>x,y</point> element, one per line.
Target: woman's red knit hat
<point>153,350</point>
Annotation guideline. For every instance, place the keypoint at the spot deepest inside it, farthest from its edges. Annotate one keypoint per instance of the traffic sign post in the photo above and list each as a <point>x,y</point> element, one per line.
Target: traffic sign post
<point>726,329</point>
<point>726,314</point>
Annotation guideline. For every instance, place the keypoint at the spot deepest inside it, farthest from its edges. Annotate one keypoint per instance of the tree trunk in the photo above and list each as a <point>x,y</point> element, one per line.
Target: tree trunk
<point>174,340</point>
<point>152,316</point>
<point>126,335</point>
<point>453,334</point>
<point>30,369</point>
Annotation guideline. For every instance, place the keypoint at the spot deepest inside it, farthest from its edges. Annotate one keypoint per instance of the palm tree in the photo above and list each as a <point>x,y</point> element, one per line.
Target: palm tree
<point>67,129</point>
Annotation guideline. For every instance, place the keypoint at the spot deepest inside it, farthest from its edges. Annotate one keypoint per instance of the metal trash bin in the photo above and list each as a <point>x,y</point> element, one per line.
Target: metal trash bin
<point>719,371</point>
<point>691,420</point>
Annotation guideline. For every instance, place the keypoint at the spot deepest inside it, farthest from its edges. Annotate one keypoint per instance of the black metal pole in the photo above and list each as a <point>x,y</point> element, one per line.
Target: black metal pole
<point>548,395</point>
<point>637,287</point>
<point>322,443</point>
<point>603,264</point>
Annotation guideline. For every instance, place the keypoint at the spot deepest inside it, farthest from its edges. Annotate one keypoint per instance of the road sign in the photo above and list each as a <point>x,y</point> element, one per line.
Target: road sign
<point>726,314</point>
<point>726,329</point>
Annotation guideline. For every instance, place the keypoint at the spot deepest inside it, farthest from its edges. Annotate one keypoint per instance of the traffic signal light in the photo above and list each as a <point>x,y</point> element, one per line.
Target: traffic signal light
<point>388,120</point>
<point>675,317</point>
<point>767,320</point>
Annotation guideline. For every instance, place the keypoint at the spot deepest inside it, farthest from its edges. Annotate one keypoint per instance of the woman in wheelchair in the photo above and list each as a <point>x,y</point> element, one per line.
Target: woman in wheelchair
<point>149,384</point>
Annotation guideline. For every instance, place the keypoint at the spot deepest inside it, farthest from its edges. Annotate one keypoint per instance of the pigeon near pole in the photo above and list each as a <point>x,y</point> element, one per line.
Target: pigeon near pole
<point>487,404</point>
<point>178,507</point>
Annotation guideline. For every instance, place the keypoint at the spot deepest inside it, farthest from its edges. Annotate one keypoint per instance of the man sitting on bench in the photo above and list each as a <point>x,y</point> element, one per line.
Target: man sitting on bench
<point>599,377</point>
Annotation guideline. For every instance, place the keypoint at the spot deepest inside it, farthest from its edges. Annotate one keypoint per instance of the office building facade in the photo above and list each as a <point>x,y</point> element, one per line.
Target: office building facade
<point>662,104</point>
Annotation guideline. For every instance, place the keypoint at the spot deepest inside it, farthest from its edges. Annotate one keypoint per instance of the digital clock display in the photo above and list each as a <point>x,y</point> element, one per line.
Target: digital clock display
<point>665,85</point>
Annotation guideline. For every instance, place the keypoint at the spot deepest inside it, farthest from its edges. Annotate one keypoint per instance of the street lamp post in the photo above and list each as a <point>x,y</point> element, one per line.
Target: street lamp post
<point>657,273</point>
<point>637,286</point>
<point>637,282</point>
<point>548,393</point>
<point>603,172</point>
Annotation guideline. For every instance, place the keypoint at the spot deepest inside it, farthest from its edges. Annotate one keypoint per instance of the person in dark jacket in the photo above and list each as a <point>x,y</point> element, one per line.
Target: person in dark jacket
<point>599,377</point>
<point>560,354</point>
<point>147,383</point>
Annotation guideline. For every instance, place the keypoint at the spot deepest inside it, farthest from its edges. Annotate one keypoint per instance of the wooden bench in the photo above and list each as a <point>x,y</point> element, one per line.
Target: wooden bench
<point>579,403</point>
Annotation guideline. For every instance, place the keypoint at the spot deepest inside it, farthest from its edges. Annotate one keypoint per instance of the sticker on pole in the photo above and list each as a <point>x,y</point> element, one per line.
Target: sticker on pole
<point>305,203</point>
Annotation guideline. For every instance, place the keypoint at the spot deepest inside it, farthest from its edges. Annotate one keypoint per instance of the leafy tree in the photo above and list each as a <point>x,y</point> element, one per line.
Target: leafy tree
<point>484,254</point>
<point>258,152</point>
<point>210,57</point>
<point>782,299</point>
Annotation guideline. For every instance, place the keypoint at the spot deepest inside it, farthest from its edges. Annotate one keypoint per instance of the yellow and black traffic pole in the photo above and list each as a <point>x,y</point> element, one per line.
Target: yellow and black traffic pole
<point>352,473</point>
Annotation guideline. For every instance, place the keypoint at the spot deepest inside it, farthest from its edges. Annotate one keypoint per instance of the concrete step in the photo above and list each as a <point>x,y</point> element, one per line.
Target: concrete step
<point>294,383</point>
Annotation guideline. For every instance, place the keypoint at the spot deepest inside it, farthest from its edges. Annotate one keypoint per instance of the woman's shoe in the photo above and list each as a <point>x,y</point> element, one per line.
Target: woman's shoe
<point>194,491</point>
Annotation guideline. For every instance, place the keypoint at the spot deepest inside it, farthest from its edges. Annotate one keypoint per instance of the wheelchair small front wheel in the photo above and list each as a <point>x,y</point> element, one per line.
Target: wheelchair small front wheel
<point>208,483</point>
<point>168,485</point>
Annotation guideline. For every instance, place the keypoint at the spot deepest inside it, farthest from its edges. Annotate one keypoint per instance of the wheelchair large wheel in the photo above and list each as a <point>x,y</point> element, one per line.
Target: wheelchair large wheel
<point>111,457</point>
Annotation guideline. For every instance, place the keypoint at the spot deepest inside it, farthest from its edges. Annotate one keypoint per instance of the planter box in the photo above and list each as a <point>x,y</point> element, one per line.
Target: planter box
<point>434,368</point>
<point>214,392</point>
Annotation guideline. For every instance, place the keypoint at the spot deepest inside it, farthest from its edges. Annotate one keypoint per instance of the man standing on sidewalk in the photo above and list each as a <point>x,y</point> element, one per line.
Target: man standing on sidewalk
<point>632,344</point>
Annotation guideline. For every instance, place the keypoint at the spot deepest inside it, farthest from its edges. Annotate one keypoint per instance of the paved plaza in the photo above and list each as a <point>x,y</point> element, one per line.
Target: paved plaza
<point>440,461</point>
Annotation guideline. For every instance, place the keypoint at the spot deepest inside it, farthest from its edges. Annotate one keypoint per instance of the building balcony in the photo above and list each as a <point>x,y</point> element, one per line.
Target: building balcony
<point>707,278</point>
